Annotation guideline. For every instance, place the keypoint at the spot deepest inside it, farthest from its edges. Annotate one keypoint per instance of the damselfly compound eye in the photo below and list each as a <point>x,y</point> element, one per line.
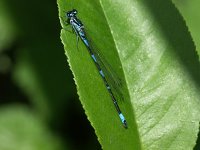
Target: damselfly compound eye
<point>74,11</point>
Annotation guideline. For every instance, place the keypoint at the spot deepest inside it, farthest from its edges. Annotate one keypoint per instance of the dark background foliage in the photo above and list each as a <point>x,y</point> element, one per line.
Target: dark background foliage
<point>34,71</point>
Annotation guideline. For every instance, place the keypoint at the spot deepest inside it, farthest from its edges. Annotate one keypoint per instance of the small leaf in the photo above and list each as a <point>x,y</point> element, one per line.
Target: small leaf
<point>190,11</point>
<point>7,27</point>
<point>21,129</point>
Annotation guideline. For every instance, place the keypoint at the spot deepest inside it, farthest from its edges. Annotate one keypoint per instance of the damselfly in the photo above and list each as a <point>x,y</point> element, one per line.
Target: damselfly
<point>78,28</point>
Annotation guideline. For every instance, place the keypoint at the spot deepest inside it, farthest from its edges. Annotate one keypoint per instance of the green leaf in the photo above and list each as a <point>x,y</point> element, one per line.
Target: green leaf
<point>21,129</point>
<point>190,11</point>
<point>7,27</point>
<point>150,49</point>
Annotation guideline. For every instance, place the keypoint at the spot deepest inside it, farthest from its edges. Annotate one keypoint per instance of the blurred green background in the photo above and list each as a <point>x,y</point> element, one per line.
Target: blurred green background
<point>39,106</point>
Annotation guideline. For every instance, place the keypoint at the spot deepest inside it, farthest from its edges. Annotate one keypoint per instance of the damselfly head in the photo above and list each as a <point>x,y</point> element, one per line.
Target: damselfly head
<point>72,13</point>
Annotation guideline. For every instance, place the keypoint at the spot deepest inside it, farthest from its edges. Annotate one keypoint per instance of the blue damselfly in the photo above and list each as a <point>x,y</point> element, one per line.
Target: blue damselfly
<point>78,28</point>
